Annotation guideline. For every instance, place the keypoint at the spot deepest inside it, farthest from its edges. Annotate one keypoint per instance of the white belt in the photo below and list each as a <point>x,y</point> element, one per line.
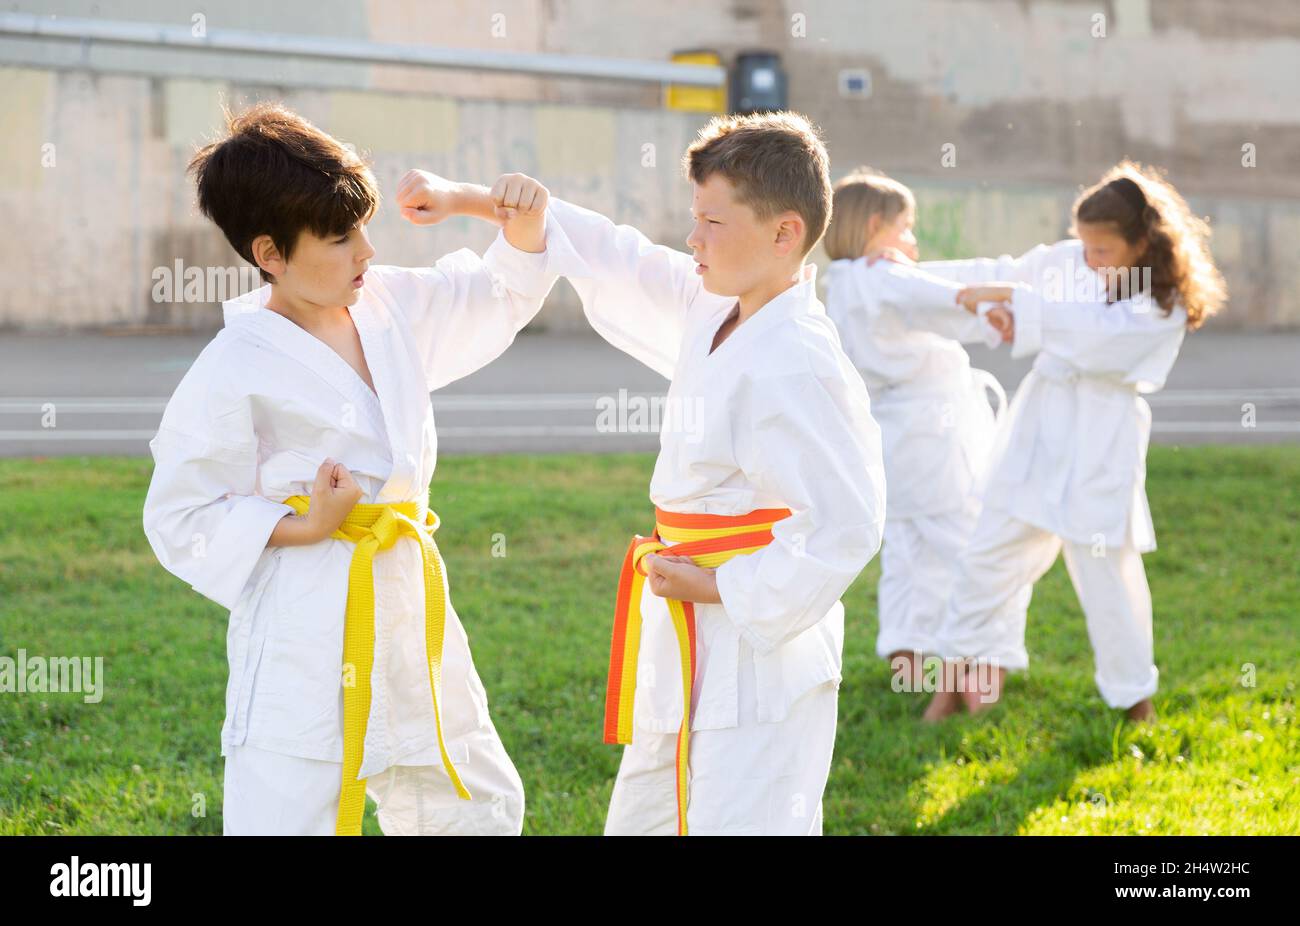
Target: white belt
<point>1058,371</point>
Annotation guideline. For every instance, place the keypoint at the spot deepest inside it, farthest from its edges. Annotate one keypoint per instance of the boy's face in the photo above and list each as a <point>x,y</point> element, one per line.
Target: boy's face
<point>323,272</point>
<point>736,251</point>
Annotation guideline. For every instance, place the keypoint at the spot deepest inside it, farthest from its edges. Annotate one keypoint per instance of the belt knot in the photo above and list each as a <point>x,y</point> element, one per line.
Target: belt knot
<point>386,528</point>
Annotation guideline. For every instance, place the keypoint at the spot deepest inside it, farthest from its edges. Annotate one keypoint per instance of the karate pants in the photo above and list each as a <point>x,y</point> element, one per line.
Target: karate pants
<point>986,612</point>
<point>918,565</point>
<point>269,794</point>
<point>755,779</point>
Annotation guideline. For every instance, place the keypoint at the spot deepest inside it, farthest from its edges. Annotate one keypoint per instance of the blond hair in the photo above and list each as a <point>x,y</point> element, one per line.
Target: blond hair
<point>776,162</point>
<point>1144,207</point>
<point>859,196</point>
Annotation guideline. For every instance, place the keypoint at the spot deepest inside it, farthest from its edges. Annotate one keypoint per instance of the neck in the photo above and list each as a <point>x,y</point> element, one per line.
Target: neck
<point>765,292</point>
<point>304,314</point>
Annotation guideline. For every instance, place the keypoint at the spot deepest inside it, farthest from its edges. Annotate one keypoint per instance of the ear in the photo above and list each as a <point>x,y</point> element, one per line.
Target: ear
<point>789,232</point>
<point>267,256</point>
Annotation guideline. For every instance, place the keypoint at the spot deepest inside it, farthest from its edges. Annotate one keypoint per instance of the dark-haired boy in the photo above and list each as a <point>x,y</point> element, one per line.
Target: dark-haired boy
<point>291,482</point>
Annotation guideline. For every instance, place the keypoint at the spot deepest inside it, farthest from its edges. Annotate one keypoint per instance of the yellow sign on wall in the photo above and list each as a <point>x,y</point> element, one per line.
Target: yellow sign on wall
<point>696,99</point>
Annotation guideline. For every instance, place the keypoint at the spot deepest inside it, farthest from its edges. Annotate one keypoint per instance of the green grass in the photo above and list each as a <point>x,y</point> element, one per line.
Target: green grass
<point>78,578</point>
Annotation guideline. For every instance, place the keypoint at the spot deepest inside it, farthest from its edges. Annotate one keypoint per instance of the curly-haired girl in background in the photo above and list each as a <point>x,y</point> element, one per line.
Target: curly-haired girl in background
<point>1105,312</point>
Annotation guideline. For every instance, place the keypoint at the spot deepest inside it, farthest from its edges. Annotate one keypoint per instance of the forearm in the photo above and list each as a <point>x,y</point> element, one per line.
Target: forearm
<point>295,530</point>
<point>636,294</point>
<point>474,201</point>
<point>1095,337</point>
<point>971,271</point>
<point>213,545</point>
<point>692,583</point>
<point>774,594</point>
<point>678,577</point>
<point>525,232</point>
<point>925,302</point>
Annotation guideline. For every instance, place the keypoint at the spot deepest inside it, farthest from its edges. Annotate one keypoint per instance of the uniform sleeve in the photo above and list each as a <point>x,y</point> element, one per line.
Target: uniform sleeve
<point>1131,338</point>
<point>812,442</point>
<point>202,514</point>
<point>926,302</point>
<point>1005,269</point>
<point>635,293</point>
<point>464,311</point>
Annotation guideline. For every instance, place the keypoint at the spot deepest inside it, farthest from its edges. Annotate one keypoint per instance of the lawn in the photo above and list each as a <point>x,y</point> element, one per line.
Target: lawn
<point>77,577</point>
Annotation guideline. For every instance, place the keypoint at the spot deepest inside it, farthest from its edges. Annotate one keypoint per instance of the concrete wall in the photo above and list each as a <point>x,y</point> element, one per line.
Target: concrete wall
<point>103,226</point>
<point>1032,99</point>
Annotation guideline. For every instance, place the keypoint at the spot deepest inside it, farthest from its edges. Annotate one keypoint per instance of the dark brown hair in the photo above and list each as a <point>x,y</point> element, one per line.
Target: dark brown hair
<point>277,174</point>
<point>775,161</point>
<point>1144,207</point>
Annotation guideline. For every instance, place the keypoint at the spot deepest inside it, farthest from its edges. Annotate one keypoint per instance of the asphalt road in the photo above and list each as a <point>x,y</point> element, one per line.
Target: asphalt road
<point>66,395</point>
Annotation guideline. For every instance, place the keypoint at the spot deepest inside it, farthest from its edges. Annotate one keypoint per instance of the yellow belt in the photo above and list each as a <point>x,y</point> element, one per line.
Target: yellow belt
<point>373,528</point>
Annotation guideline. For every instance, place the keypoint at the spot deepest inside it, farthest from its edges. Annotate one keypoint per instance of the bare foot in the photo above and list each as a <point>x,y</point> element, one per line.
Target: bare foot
<point>978,700</point>
<point>943,704</point>
<point>1143,711</point>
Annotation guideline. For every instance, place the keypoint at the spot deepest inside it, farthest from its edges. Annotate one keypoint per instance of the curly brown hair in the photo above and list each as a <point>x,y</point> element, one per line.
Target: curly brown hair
<point>1145,208</point>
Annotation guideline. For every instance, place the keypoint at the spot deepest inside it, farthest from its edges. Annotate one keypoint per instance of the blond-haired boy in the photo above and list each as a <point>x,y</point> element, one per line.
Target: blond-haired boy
<point>769,490</point>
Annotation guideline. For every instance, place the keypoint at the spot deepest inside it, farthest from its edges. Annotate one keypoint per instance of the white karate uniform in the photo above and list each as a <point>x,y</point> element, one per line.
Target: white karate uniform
<point>263,405</point>
<point>903,329</point>
<point>1068,469</point>
<point>776,417</point>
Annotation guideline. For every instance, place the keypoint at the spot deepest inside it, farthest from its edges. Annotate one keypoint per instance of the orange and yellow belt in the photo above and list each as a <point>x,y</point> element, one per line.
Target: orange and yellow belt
<point>709,540</point>
<point>373,528</point>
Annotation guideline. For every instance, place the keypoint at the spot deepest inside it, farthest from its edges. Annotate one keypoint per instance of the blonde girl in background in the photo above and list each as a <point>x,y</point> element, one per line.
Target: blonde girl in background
<point>903,329</point>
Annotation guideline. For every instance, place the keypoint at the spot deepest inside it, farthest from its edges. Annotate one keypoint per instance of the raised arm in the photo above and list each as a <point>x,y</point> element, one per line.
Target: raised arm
<point>203,516</point>
<point>923,301</point>
<point>464,311</point>
<point>810,441</point>
<point>1131,338</point>
<point>1023,269</point>
<point>635,293</point>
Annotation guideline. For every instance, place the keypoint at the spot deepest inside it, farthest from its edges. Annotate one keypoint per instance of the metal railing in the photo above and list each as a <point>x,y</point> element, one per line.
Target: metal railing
<point>170,36</point>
